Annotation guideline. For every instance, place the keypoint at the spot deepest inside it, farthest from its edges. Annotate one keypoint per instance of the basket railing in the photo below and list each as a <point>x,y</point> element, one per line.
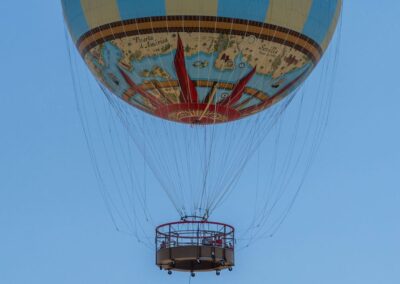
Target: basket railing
<point>195,233</point>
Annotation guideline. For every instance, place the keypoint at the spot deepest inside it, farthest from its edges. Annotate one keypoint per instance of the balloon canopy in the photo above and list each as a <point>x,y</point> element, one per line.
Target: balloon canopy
<point>201,62</point>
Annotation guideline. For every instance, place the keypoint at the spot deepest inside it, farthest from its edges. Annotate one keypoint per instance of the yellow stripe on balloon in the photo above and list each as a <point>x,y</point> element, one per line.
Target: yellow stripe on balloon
<point>291,14</point>
<point>100,12</point>
<point>191,7</point>
<point>332,28</point>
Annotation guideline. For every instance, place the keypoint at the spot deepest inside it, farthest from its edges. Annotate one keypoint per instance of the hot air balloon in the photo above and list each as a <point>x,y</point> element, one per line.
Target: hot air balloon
<point>209,64</point>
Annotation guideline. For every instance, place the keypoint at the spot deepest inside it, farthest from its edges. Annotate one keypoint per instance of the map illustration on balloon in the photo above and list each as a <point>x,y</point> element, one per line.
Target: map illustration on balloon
<point>199,65</point>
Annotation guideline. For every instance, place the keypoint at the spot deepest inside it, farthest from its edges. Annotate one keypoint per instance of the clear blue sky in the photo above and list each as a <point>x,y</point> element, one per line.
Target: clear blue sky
<point>53,226</point>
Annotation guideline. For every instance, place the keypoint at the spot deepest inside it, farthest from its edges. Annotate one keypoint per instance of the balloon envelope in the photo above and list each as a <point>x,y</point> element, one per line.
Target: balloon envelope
<point>201,62</point>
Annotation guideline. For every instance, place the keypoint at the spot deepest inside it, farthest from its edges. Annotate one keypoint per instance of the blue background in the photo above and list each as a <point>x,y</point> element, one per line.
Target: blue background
<point>53,226</point>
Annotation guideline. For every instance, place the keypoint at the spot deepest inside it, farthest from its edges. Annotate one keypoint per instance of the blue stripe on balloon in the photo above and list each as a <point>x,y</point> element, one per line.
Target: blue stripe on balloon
<point>130,9</point>
<point>75,18</point>
<point>255,10</point>
<point>320,18</point>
